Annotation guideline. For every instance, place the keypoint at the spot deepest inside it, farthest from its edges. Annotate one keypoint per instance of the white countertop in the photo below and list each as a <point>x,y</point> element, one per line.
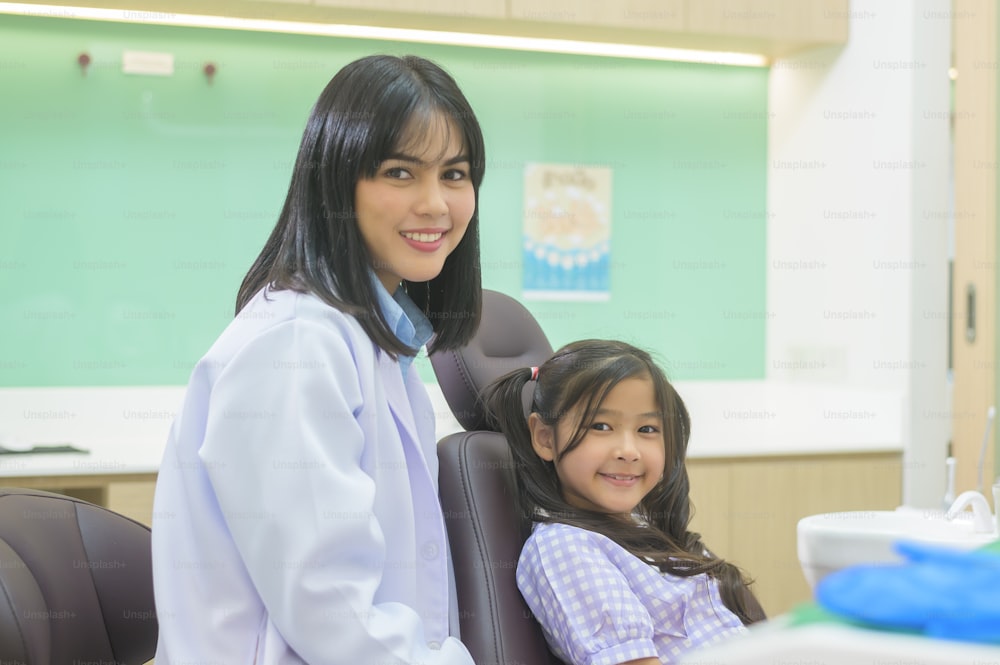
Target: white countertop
<point>125,428</point>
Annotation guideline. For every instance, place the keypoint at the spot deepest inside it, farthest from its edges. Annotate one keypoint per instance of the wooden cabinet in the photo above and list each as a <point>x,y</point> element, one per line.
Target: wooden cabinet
<point>818,20</point>
<point>459,8</point>
<point>773,28</point>
<point>668,15</point>
<point>974,279</point>
<point>747,510</point>
<point>130,494</point>
<point>133,499</point>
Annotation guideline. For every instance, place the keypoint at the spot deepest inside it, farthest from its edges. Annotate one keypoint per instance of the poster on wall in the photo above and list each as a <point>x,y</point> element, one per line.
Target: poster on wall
<point>567,232</point>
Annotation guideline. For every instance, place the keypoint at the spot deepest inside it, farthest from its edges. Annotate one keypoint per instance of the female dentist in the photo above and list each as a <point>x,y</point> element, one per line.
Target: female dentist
<point>296,517</point>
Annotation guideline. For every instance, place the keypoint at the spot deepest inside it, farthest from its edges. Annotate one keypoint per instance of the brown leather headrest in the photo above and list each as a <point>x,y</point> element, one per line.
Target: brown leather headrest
<point>509,337</point>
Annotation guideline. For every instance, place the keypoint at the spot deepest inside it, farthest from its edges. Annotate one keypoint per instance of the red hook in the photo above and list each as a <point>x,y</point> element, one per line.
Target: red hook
<point>84,61</point>
<point>209,70</point>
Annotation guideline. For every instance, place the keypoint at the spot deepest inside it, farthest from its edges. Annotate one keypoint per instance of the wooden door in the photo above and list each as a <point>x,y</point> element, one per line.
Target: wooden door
<point>974,289</point>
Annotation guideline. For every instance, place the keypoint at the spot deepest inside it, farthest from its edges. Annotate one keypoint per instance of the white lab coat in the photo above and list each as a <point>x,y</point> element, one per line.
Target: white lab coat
<point>296,517</point>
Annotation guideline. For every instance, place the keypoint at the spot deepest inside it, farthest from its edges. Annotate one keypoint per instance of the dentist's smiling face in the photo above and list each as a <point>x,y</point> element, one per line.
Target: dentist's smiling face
<point>620,458</point>
<point>416,209</point>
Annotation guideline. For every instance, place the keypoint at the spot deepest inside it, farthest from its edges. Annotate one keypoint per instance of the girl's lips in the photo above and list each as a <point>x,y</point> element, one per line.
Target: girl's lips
<point>621,479</point>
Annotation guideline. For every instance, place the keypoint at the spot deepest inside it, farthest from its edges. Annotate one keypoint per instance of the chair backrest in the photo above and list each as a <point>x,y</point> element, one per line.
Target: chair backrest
<point>76,582</point>
<point>476,479</point>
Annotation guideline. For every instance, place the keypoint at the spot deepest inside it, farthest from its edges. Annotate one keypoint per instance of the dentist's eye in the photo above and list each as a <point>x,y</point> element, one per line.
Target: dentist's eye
<point>455,175</point>
<point>649,429</point>
<point>397,172</point>
<point>601,427</point>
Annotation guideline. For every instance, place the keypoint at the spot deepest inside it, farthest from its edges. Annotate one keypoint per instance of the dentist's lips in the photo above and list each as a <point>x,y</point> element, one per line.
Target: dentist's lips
<point>424,240</point>
<point>621,479</point>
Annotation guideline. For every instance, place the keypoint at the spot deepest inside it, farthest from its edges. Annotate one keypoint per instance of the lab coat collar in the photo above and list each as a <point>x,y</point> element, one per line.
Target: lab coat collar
<point>400,403</point>
<point>404,318</point>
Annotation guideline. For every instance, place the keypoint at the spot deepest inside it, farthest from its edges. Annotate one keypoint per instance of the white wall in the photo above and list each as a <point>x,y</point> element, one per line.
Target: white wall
<point>858,229</point>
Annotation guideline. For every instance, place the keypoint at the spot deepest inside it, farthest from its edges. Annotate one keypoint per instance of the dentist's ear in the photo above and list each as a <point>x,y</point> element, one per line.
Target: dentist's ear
<point>543,438</point>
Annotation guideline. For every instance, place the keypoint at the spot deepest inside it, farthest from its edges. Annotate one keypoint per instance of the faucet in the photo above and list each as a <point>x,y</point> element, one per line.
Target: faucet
<point>982,520</point>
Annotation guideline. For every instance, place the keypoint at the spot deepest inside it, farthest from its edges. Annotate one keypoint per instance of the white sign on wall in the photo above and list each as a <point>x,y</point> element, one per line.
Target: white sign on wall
<point>567,232</point>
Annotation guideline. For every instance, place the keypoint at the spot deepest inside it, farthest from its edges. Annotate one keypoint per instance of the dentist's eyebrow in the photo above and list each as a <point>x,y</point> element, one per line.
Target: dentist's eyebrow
<point>419,162</point>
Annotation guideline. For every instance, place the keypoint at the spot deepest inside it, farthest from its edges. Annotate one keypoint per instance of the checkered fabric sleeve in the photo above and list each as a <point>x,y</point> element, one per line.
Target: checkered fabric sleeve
<point>599,604</point>
<point>582,599</point>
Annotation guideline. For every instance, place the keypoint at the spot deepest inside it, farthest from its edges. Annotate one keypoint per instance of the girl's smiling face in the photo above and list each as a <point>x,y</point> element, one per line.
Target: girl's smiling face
<point>621,457</point>
<point>416,209</point>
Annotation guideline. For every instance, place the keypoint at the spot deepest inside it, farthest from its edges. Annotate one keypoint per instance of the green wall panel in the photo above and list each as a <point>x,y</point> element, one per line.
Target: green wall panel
<point>131,206</point>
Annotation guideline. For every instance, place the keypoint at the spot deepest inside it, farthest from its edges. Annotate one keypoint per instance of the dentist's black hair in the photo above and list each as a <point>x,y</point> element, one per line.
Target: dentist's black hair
<point>372,108</point>
<point>581,374</point>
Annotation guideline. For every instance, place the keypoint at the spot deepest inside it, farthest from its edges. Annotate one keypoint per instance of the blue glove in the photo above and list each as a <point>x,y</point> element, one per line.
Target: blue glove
<point>939,592</point>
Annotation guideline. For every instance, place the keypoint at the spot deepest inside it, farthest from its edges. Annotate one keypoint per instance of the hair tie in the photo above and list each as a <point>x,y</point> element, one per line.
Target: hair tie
<point>534,373</point>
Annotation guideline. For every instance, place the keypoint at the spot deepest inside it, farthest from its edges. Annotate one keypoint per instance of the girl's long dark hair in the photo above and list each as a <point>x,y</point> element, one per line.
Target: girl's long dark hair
<point>583,373</point>
<point>369,110</point>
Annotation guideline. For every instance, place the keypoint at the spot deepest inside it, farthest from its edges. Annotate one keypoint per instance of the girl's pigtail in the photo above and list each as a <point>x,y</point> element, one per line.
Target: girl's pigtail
<point>504,405</point>
<point>505,412</point>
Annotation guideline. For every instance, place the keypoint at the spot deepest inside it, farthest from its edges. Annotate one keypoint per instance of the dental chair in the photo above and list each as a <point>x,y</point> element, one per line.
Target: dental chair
<point>76,582</point>
<point>476,481</point>
<point>476,485</point>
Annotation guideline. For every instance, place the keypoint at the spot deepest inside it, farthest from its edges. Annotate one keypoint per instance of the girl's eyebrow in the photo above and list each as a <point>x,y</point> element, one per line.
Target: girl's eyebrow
<point>615,412</point>
<point>419,162</point>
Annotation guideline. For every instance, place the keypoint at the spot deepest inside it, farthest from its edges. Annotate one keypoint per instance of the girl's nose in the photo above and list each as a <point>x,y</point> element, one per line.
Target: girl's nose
<point>627,450</point>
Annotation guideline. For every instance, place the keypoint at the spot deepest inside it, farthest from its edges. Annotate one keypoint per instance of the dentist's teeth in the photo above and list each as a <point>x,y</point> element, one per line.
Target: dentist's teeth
<point>423,237</point>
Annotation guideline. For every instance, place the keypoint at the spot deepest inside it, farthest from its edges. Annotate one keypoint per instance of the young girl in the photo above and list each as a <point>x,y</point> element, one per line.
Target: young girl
<point>610,570</point>
<point>296,517</point>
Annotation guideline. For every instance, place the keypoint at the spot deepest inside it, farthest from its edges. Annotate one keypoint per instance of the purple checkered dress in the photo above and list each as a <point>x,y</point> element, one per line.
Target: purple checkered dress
<point>600,605</point>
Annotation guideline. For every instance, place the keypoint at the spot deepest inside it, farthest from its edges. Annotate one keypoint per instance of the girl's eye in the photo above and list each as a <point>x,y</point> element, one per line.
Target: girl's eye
<point>603,427</point>
<point>455,174</point>
<point>649,429</point>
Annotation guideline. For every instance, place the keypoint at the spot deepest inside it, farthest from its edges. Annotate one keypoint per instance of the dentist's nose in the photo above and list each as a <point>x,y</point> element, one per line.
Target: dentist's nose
<point>431,201</point>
